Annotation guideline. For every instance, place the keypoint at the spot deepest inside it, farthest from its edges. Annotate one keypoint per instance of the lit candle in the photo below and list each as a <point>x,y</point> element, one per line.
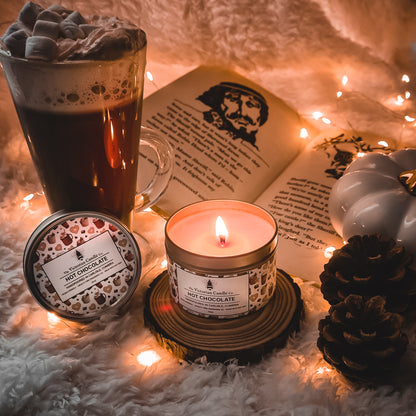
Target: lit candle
<point>221,257</point>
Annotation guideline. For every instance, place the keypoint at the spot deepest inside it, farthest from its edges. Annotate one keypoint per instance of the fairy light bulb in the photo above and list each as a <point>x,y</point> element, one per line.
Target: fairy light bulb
<point>53,319</point>
<point>328,252</point>
<point>399,100</point>
<point>304,133</point>
<point>148,358</point>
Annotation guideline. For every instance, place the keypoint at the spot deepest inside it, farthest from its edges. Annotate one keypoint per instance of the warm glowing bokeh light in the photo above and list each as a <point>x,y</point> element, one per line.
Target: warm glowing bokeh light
<point>383,143</point>
<point>148,358</point>
<point>409,118</point>
<point>326,120</point>
<point>405,78</point>
<point>317,115</point>
<point>322,370</point>
<point>328,252</point>
<point>28,197</point>
<point>339,94</point>
<point>399,100</point>
<point>149,76</point>
<point>344,80</point>
<point>53,319</point>
<point>164,263</point>
<point>360,154</point>
<point>304,133</point>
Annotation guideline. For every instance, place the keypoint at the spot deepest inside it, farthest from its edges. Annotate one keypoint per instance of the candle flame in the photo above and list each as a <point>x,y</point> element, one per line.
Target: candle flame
<point>221,232</point>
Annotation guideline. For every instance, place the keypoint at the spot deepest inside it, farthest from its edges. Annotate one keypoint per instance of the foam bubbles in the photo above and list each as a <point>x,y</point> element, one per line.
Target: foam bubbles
<point>78,86</point>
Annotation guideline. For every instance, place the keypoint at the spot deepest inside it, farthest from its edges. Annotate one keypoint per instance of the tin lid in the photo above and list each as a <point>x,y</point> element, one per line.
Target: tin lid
<point>82,264</point>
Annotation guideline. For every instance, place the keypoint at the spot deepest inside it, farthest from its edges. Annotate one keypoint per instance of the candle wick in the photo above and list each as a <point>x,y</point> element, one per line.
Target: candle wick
<point>223,240</point>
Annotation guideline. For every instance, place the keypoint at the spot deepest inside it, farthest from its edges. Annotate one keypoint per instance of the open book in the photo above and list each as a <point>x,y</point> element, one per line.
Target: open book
<point>234,140</point>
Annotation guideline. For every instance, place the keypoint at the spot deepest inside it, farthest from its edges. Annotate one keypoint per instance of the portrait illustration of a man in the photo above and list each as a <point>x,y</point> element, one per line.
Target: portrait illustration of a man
<point>235,108</point>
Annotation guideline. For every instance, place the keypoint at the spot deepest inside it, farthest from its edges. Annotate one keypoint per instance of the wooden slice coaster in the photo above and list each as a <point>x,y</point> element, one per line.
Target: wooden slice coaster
<point>246,338</point>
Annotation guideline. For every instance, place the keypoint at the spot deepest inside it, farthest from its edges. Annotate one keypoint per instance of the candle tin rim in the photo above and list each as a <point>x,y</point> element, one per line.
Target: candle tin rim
<point>41,232</point>
<point>225,264</point>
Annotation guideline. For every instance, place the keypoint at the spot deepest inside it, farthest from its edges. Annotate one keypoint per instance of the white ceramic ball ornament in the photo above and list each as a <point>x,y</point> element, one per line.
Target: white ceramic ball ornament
<point>377,194</point>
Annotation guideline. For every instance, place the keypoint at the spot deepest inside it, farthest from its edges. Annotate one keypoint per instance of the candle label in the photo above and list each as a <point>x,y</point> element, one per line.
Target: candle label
<point>92,262</point>
<point>213,295</point>
<point>226,296</point>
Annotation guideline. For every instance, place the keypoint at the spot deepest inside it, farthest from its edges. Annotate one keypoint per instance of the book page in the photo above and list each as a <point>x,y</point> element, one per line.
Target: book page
<point>231,138</point>
<point>298,200</point>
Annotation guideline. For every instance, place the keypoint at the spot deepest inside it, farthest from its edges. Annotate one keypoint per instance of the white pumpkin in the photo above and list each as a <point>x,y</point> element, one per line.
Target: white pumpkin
<point>377,194</point>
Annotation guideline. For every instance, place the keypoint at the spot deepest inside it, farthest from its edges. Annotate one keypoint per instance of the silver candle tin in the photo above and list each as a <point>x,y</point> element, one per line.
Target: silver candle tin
<point>221,287</point>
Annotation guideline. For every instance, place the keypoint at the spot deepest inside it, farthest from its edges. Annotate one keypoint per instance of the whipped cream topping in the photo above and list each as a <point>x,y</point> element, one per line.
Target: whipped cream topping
<point>59,34</point>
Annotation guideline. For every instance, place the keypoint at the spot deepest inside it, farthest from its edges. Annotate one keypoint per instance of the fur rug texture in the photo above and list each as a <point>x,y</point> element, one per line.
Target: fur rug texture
<point>298,49</point>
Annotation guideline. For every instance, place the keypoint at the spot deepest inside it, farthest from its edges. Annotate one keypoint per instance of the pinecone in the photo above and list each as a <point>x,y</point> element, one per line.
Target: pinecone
<point>368,266</point>
<point>362,340</point>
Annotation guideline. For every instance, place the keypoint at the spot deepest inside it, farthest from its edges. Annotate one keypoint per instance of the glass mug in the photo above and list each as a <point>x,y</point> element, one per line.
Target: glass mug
<point>82,124</point>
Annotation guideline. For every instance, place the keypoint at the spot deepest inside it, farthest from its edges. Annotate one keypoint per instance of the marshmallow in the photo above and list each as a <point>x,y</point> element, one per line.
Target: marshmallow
<point>77,18</point>
<point>45,28</point>
<point>14,27</point>
<point>102,38</point>
<point>29,14</point>
<point>50,16</point>
<point>16,42</point>
<point>71,30</point>
<point>87,29</point>
<point>41,48</point>
<point>61,10</point>
<point>66,48</point>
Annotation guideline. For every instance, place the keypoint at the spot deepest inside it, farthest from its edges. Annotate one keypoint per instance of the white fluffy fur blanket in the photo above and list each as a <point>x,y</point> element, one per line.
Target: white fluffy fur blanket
<point>298,49</point>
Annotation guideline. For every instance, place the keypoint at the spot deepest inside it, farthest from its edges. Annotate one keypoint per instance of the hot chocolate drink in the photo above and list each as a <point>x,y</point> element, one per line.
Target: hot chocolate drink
<point>77,86</point>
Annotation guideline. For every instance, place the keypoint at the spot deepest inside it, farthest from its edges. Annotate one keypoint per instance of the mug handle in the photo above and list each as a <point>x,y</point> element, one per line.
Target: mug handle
<point>158,184</point>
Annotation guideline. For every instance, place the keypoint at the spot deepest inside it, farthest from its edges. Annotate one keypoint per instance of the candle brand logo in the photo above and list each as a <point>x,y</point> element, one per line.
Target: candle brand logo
<point>210,286</point>
<point>79,255</point>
